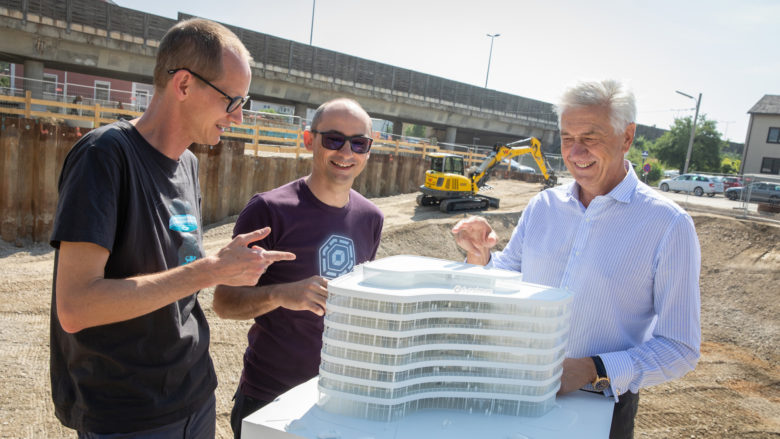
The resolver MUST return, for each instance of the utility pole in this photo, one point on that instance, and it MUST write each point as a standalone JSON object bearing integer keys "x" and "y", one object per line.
{"x": 693, "y": 129}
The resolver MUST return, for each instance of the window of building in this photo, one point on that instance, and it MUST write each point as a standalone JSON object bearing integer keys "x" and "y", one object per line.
{"x": 770, "y": 165}
{"x": 102, "y": 92}
{"x": 141, "y": 100}
{"x": 774, "y": 135}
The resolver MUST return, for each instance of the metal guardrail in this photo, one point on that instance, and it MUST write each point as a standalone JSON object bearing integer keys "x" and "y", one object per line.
{"x": 260, "y": 135}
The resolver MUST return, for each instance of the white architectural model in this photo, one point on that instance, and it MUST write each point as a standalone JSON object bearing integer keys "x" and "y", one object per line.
{"x": 406, "y": 333}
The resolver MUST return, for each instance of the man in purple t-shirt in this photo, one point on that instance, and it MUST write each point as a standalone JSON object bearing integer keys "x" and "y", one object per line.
{"x": 330, "y": 228}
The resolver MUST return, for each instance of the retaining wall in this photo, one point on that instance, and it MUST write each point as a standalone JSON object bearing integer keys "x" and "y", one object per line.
{"x": 32, "y": 153}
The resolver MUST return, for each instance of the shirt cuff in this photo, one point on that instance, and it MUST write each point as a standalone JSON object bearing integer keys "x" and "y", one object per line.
{"x": 620, "y": 370}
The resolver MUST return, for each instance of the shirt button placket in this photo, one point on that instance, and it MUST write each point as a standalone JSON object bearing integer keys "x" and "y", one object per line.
{"x": 575, "y": 253}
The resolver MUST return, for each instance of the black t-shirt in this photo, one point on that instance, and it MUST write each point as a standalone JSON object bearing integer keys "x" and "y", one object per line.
{"x": 119, "y": 192}
{"x": 284, "y": 345}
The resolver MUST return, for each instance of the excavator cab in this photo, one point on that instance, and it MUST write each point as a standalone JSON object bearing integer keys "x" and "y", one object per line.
{"x": 447, "y": 163}
{"x": 444, "y": 179}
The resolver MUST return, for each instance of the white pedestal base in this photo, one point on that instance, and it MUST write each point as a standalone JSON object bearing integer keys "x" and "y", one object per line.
{"x": 296, "y": 415}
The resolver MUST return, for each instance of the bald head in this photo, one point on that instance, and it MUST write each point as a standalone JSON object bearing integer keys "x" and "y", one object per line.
{"x": 343, "y": 107}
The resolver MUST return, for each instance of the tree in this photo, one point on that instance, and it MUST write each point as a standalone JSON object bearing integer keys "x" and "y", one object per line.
{"x": 641, "y": 143}
{"x": 634, "y": 154}
{"x": 415, "y": 130}
{"x": 672, "y": 147}
{"x": 730, "y": 165}
{"x": 656, "y": 171}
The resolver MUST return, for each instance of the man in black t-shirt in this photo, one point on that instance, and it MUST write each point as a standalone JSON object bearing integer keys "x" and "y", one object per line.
{"x": 129, "y": 340}
{"x": 330, "y": 228}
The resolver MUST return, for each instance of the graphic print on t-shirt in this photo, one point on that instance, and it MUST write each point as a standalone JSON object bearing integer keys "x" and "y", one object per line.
{"x": 337, "y": 257}
{"x": 184, "y": 222}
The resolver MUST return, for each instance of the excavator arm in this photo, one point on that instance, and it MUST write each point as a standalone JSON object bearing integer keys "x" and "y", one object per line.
{"x": 480, "y": 176}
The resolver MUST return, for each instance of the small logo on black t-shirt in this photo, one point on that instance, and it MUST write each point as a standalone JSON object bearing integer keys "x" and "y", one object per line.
{"x": 184, "y": 222}
{"x": 337, "y": 257}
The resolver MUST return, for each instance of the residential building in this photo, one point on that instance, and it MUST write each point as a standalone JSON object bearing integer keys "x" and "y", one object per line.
{"x": 67, "y": 86}
{"x": 762, "y": 145}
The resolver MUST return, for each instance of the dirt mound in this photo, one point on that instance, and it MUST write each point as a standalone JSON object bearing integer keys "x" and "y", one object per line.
{"x": 434, "y": 239}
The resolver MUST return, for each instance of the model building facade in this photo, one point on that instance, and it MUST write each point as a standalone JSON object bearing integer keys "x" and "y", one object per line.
{"x": 407, "y": 333}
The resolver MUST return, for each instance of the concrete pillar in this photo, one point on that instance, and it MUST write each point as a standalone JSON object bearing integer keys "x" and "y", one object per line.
{"x": 300, "y": 111}
{"x": 452, "y": 133}
{"x": 33, "y": 70}
{"x": 398, "y": 127}
{"x": 548, "y": 137}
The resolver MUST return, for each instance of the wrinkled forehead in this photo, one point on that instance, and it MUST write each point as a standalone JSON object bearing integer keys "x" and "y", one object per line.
{"x": 585, "y": 120}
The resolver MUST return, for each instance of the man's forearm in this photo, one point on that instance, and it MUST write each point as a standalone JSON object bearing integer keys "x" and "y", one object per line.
{"x": 243, "y": 303}
{"x": 83, "y": 304}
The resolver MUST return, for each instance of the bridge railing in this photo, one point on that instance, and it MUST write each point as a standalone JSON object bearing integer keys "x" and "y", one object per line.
{"x": 274, "y": 55}
{"x": 261, "y": 132}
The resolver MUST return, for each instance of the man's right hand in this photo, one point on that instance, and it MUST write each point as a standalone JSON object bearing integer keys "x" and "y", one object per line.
{"x": 242, "y": 303}
{"x": 241, "y": 265}
{"x": 308, "y": 294}
{"x": 475, "y": 235}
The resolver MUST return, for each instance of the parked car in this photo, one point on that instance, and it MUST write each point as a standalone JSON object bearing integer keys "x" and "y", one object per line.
{"x": 730, "y": 182}
{"x": 669, "y": 173}
{"x": 758, "y": 193}
{"x": 517, "y": 167}
{"x": 696, "y": 183}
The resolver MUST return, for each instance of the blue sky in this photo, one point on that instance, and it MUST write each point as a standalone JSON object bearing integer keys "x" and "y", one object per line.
{"x": 726, "y": 50}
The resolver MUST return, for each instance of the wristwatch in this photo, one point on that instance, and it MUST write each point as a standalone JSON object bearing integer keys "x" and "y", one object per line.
{"x": 601, "y": 383}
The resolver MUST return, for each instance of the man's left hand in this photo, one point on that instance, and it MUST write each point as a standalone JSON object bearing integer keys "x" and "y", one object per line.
{"x": 577, "y": 372}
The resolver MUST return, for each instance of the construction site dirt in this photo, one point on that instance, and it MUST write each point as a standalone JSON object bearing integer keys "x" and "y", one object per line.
{"x": 734, "y": 392}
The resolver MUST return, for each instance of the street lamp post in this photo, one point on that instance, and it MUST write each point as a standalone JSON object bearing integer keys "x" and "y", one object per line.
{"x": 492, "y": 37}
{"x": 311, "y": 32}
{"x": 693, "y": 129}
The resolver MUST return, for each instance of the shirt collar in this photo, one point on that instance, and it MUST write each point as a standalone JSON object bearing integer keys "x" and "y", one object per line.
{"x": 622, "y": 192}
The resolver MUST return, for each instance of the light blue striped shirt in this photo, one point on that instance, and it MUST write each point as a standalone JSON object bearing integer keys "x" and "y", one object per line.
{"x": 631, "y": 261}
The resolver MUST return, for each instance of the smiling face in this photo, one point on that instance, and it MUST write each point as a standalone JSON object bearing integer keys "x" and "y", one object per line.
{"x": 207, "y": 115}
{"x": 592, "y": 151}
{"x": 333, "y": 172}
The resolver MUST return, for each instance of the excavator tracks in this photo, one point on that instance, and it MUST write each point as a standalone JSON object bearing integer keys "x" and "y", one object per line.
{"x": 467, "y": 204}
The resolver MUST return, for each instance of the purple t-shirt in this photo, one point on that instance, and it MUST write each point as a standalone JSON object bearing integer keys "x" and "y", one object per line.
{"x": 284, "y": 345}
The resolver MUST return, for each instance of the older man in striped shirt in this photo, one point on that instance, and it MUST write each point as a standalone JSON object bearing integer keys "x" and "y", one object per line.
{"x": 629, "y": 257}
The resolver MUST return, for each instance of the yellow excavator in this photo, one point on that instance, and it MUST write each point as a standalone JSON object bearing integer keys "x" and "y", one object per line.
{"x": 447, "y": 185}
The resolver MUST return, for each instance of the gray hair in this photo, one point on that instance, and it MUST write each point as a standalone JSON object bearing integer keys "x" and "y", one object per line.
{"x": 608, "y": 93}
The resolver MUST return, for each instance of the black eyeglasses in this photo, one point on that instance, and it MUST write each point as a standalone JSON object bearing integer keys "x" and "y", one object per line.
{"x": 334, "y": 140}
{"x": 235, "y": 102}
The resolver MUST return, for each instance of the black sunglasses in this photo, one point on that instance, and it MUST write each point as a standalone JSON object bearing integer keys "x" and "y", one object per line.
{"x": 334, "y": 140}
{"x": 235, "y": 102}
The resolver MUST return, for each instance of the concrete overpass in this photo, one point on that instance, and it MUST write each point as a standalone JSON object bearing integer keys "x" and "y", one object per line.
{"x": 94, "y": 37}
